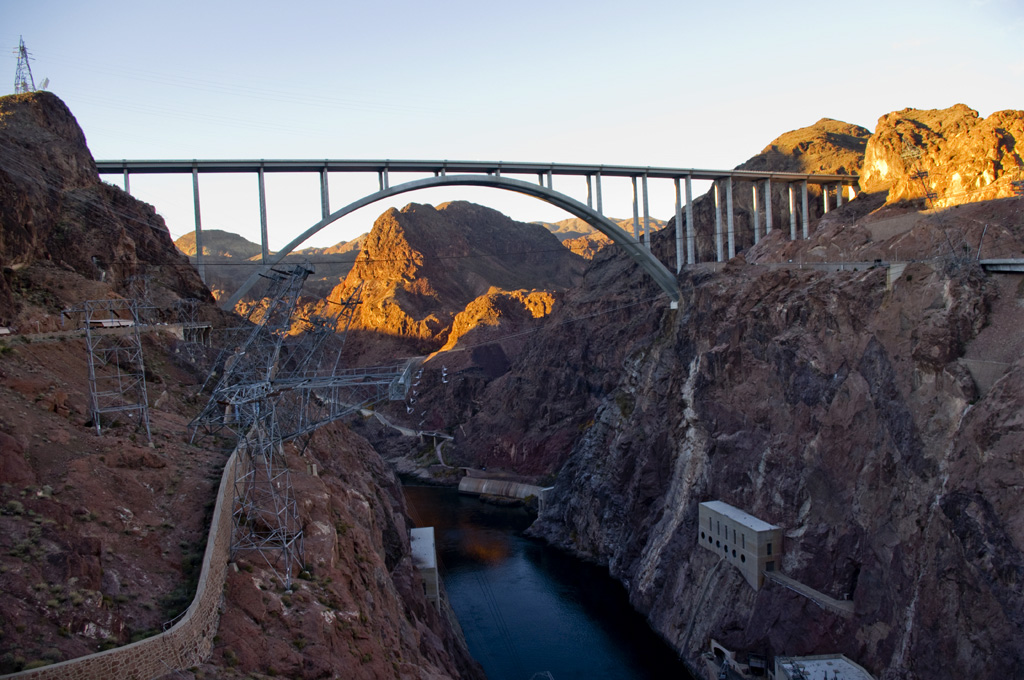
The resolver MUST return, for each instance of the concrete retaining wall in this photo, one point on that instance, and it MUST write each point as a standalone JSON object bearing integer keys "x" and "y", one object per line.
{"x": 190, "y": 640}
{"x": 499, "y": 487}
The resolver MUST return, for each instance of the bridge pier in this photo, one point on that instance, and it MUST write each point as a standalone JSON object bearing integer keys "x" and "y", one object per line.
{"x": 691, "y": 242}
{"x": 590, "y": 193}
{"x": 768, "y": 206}
{"x": 757, "y": 215}
{"x": 636, "y": 212}
{"x": 264, "y": 251}
{"x": 600, "y": 204}
{"x": 719, "y": 246}
{"x": 679, "y": 226}
{"x": 792, "y": 212}
{"x": 806, "y": 217}
{"x": 839, "y": 195}
{"x": 325, "y": 199}
{"x": 200, "y": 264}
{"x": 647, "y": 216}
{"x": 824, "y": 198}
{"x": 729, "y": 218}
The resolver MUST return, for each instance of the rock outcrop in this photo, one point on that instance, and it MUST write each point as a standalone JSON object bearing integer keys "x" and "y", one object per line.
{"x": 219, "y": 243}
{"x": 53, "y": 207}
{"x": 422, "y": 266}
{"x": 945, "y": 157}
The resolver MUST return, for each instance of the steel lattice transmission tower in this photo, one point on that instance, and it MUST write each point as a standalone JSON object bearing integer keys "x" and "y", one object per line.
{"x": 23, "y": 81}
{"x": 275, "y": 387}
{"x": 117, "y": 374}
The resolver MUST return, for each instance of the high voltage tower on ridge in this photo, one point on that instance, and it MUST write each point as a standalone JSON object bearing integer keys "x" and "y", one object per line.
{"x": 23, "y": 81}
{"x": 276, "y": 387}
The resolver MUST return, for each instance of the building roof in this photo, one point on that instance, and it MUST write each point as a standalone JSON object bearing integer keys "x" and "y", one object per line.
{"x": 738, "y": 515}
{"x": 424, "y": 556}
{"x": 823, "y": 667}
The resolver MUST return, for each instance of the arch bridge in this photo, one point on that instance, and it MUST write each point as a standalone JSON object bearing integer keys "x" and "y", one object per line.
{"x": 497, "y": 175}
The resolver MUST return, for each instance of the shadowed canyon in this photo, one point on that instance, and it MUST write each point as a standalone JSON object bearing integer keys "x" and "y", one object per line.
{"x": 862, "y": 389}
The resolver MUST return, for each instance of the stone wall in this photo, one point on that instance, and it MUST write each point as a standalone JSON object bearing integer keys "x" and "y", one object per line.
{"x": 190, "y": 640}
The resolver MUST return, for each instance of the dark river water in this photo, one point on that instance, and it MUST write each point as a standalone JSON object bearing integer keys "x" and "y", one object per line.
{"x": 529, "y": 610}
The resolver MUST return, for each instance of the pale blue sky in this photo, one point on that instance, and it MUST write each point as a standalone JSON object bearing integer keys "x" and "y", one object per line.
{"x": 679, "y": 84}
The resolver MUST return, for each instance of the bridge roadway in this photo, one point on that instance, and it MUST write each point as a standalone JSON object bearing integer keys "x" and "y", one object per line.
{"x": 495, "y": 174}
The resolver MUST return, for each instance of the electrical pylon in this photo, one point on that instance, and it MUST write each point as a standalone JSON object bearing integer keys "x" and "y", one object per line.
{"x": 23, "y": 81}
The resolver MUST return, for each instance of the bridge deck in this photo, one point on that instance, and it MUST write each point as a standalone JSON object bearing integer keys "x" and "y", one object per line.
{"x": 442, "y": 167}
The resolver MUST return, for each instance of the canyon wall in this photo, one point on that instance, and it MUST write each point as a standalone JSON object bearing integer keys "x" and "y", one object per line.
{"x": 101, "y": 537}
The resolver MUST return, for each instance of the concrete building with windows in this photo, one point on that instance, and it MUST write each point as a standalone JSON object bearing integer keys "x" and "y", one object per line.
{"x": 751, "y": 545}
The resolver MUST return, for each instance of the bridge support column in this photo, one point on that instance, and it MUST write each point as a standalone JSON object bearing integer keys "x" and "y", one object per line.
{"x": 729, "y": 221}
{"x": 200, "y": 265}
{"x": 757, "y": 215}
{"x": 679, "y": 226}
{"x": 325, "y": 199}
{"x": 590, "y": 193}
{"x": 719, "y": 246}
{"x": 264, "y": 251}
{"x": 383, "y": 180}
{"x": 691, "y": 241}
{"x": 839, "y": 195}
{"x": 127, "y": 190}
{"x": 768, "y": 206}
{"x": 824, "y": 197}
{"x": 792, "y": 213}
{"x": 647, "y": 215}
{"x": 636, "y": 213}
{"x": 600, "y": 203}
{"x": 806, "y": 216}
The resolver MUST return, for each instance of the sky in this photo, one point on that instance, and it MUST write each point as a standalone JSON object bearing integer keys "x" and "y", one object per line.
{"x": 671, "y": 84}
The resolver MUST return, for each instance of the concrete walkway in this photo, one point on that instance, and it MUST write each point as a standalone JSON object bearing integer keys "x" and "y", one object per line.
{"x": 439, "y": 437}
{"x": 841, "y": 607}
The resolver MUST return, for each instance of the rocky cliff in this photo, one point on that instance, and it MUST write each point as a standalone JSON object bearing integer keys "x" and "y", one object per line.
{"x": 844, "y": 404}
{"x": 101, "y": 536}
{"x": 55, "y": 209}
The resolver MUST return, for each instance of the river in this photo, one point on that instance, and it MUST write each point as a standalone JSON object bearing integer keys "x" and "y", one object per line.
{"x": 529, "y": 610}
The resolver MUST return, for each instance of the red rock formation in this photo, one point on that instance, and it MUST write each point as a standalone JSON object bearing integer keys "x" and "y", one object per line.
{"x": 54, "y": 207}
{"x": 422, "y": 266}
{"x": 952, "y": 154}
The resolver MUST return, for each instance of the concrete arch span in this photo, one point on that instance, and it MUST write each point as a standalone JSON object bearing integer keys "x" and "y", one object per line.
{"x": 650, "y": 264}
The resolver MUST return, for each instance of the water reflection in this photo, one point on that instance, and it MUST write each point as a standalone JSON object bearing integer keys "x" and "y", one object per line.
{"x": 527, "y": 608}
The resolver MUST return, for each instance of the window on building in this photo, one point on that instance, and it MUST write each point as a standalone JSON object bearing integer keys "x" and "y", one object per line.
{"x": 769, "y": 548}
{"x": 743, "y": 542}
{"x": 743, "y": 558}
{"x": 769, "y": 565}
{"x": 733, "y": 535}
{"x": 702, "y": 535}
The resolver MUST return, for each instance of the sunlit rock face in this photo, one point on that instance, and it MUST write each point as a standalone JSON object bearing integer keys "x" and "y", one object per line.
{"x": 944, "y": 157}
{"x": 421, "y": 267}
